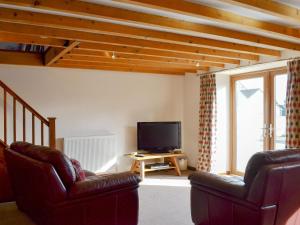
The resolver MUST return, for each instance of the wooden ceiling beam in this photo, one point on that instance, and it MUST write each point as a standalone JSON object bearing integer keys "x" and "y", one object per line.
{"x": 29, "y": 39}
{"x": 217, "y": 15}
{"x": 274, "y": 8}
{"x": 104, "y": 38}
{"x": 34, "y": 59}
{"x": 20, "y": 58}
{"x": 187, "y": 70}
{"x": 102, "y": 11}
{"x": 125, "y": 31}
{"x": 53, "y": 54}
{"x": 106, "y": 55}
{"x": 115, "y": 40}
{"x": 131, "y": 62}
{"x": 43, "y": 33}
{"x": 41, "y": 39}
{"x": 128, "y": 68}
{"x": 152, "y": 52}
{"x": 121, "y": 69}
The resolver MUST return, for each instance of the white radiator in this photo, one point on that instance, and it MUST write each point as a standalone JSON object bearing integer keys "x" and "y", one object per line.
{"x": 95, "y": 153}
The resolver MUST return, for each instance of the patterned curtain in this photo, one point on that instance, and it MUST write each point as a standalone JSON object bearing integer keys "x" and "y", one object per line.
{"x": 293, "y": 105}
{"x": 207, "y": 122}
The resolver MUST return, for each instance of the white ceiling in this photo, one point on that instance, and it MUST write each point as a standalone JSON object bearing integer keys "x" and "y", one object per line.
{"x": 293, "y": 3}
{"x": 249, "y": 12}
{"x": 214, "y": 3}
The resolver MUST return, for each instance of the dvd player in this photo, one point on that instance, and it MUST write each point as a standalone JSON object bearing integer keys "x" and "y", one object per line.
{"x": 158, "y": 166}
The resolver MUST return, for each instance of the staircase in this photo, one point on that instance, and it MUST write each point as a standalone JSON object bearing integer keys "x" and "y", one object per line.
{"x": 16, "y": 112}
{"x": 26, "y": 109}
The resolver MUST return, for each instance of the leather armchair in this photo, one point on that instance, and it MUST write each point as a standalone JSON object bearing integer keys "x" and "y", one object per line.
{"x": 45, "y": 188}
{"x": 269, "y": 193}
{"x": 6, "y": 194}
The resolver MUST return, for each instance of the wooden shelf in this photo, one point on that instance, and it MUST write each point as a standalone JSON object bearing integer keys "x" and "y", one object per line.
{"x": 156, "y": 156}
{"x": 138, "y": 164}
{"x": 169, "y": 168}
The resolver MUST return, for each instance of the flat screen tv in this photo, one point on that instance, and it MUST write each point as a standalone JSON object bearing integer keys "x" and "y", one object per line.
{"x": 158, "y": 137}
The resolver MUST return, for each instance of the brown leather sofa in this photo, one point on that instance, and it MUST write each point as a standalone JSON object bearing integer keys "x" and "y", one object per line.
{"x": 6, "y": 194}
{"x": 269, "y": 193}
{"x": 45, "y": 188}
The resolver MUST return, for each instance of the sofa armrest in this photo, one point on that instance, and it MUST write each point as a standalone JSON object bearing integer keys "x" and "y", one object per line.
{"x": 103, "y": 183}
{"x": 233, "y": 186}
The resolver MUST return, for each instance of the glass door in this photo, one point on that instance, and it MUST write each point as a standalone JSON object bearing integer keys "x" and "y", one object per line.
{"x": 258, "y": 115}
{"x": 249, "y": 119}
{"x": 278, "y": 114}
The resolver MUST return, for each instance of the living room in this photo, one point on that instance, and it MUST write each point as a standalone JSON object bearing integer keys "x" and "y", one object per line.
{"x": 225, "y": 72}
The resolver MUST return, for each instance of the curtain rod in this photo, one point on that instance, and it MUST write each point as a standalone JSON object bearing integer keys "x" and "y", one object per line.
{"x": 240, "y": 67}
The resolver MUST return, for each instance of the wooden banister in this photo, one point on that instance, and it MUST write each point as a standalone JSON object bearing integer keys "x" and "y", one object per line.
{"x": 52, "y": 135}
{"x": 22, "y": 102}
{"x": 42, "y": 133}
{"x": 50, "y": 122}
{"x": 5, "y": 115}
{"x": 24, "y": 123}
{"x": 15, "y": 119}
{"x": 33, "y": 129}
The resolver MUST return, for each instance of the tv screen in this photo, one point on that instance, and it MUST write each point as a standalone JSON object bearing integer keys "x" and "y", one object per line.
{"x": 159, "y": 136}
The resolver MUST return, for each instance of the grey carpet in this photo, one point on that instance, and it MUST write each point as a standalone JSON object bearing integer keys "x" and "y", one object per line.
{"x": 10, "y": 215}
{"x": 164, "y": 205}
{"x": 163, "y": 201}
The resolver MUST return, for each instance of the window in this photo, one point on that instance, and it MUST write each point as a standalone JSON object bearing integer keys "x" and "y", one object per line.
{"x": 258, "y": 115}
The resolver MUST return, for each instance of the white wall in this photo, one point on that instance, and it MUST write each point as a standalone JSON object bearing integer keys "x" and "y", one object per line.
{"x": 191, "y": 120}
{"x": 90, "y": 102}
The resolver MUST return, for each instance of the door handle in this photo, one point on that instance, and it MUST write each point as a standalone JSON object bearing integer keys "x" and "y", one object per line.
{"x": 268, "y": 130}
{"x": 271, "y": 129}
{"x": 265, "y": 130}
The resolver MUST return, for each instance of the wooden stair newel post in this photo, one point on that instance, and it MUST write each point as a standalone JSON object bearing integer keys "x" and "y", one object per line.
{"x": 52, "y": 136}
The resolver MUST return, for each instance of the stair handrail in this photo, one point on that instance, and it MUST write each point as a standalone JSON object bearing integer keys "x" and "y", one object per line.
{"x": 50, "y": 122}
{"x": 24, "y": 103}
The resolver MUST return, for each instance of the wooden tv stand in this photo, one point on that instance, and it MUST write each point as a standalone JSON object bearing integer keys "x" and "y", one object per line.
{"x": 138, "y": 164}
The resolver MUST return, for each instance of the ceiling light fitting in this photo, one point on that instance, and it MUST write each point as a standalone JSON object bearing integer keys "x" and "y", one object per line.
{"x": 113, "y": 55}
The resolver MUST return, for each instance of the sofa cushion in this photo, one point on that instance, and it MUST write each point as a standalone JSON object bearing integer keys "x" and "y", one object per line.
{"x": 229, "y": 185}
{"x": 261, "y": 159}
{"x": 60, "y": 162}
{"x": 80, "y": 174}
{"x": 100, "y": 184}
